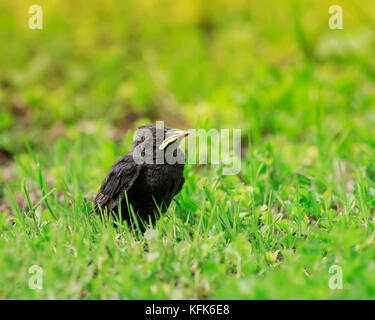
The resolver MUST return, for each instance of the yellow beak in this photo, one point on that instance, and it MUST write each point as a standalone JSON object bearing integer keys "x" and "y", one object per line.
{"x": 178, "y": 136}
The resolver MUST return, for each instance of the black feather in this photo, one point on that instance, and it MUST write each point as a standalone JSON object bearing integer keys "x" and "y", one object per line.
{"x": 147, "y": 186}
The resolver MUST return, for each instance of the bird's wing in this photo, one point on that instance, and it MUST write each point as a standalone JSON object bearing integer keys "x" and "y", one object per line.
{"x": 119, "y": 180}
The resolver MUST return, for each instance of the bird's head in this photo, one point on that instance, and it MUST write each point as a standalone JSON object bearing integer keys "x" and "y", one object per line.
{"x": 157, "y": 139}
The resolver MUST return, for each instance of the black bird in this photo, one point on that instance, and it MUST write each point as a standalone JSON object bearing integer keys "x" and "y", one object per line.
{"x": 150, "y": 175}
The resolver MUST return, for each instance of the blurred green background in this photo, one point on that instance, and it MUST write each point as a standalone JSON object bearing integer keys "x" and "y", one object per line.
{"x": 269, "y": 68}
{"x": 302, "y": 94}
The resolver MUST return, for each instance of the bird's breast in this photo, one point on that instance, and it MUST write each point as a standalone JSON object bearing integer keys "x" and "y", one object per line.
{"x": 163, "y": 179}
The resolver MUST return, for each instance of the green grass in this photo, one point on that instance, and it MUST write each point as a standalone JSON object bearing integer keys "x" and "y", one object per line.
{"x": 274, "y": 238}
{"x": 303, "y": 96}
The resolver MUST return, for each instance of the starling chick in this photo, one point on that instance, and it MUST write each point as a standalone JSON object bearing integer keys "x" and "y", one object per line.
{"x": 150, "y": 175}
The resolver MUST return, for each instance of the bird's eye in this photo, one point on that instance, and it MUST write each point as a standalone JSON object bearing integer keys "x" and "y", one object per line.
{"x": 143, "y": 139}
